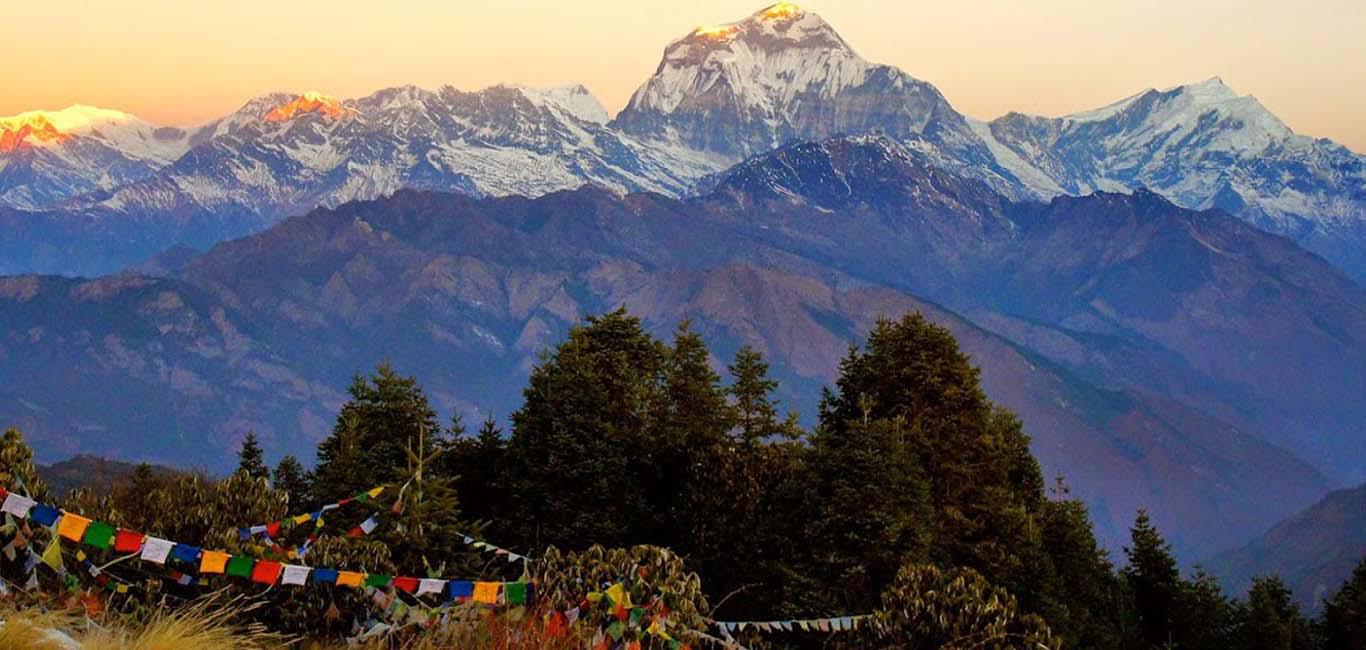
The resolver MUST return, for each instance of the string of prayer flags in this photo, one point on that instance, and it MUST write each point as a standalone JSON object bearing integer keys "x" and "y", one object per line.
{"x": 831, "y": 624}
{"x": 273, "y": 529}
{"x": 490, "y": 548}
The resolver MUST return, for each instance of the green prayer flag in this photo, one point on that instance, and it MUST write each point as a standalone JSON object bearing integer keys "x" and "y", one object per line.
{"x": 99, "y": 534}
{"x": 615, "y": 630}
{"x": 372, "y": 580}
{"x": 637, "y": 615}
{"x": 515, "y": 592}
{"x": 240, "y": 566}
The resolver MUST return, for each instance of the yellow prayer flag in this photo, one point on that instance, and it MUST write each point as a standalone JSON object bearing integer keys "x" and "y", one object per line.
{"x": 375, "y": 492}
{"x": 72, "y": 526}
{"x": 213, "y": 562}
{"x": 350, "y": 579}
{"x": 486, "y": 592}
{"x": 53, "y": 555}
{"x": 302, "y": 519}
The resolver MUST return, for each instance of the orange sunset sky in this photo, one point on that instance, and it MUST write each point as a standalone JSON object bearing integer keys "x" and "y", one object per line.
{"x": 185, "y": 62}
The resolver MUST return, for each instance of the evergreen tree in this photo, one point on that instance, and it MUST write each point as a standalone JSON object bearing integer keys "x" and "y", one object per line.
{"x": 756, "y": 411}
{"x": 292, "y": 479}
{"x": 583, "y": 443}
{"x": 985, "y": 487}
{"x": 1204, "y": 618}
{"x": 477, "y": 466}
{"x": 251, "y": 459}
{"x": 1343, "y": 623}
{"x": 1154, "y": 584}
{"x": 870, "y": 511}
{"x": 1083, "y": 603}
{"x": 1270, "y": 619}
{"x": 386, "y": 417}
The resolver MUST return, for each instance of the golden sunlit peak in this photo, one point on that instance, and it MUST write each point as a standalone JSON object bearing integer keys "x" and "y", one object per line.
{"x": 781, "y": 11}
{"x": 309, "y": 102}
{"x": 716, "y": 31}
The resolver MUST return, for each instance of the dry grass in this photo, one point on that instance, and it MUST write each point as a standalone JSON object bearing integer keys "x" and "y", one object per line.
{"x": 207, "y": 625}
{"x": 33, "y": 630}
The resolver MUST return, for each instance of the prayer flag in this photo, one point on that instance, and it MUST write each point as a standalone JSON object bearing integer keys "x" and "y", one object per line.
{"x": 303, "y": 519}
{"x": 100, "y": 535}
{"x": 461, "y": 589}
{"x": 374, "y": 492}
{"x": 186, "y": 553}
{"x": 295, "y": 575}
{"x": 17, "y": 505}
{"x": 428, "y": 586}
{"x": 53, "y": 555}
{"x": 619, "y": 595}
{"x": 273, "y": 529}
{"x": 127, "y": 541}
{"x": 213, "y": 562}
{"x": 406, "y": 584}
{"x": 156, "y": 550}
{"x": 239, "y": 566}
{"x": 516, "y": 592}
{"x": 44, "y": 515}
{"x": 375, "y": 580}
{"x": 72, "y": 526}
{"x": 324, "y": 575}
{"x": 486, "y": 592}
{"x": 266, "y": 573}
{"x": 350, "y": 579}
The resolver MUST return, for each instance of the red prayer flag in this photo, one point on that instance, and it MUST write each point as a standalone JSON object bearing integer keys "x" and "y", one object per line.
{"x": 3, "y": 493}
{"x": 266, "y": 573}
{"x": 273, "y": 529}
{"x": 128, "y": 541}
{"x": 558, "y": 626}
{"x": 407, "y": 584}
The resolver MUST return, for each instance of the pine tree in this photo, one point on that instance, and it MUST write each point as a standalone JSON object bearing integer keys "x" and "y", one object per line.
{"x": 386, "y": 416}
{"x": 1270, "y": 619}
{"x": 1204, "y": 618}
{"x": 871, "y": 508}
{"x": 292, "y": 479}
{"x": 1082, "y": 602}
{"x": 1343, "y": 623}
{"x": 477, "y": 465}
{"x": 756, "y": 412}
{"x": 1153, "y": 582}
{"x": 583, "y": 443}
{"x": 250, "y": 458}
{"x": 985, "y": 487}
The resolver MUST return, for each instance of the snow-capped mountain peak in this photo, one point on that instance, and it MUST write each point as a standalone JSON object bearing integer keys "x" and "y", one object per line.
{"x": 574, "y": 100}
{"x": 309, "y": 102}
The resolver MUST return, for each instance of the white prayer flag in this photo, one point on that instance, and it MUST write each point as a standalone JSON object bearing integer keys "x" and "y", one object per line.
{"x": 156, "y": 550}
{"x": 368, "y": 526}
{"x": 17, "y": 505}
{"x": 295, "y": 575}
{"x": 427, "y": 586}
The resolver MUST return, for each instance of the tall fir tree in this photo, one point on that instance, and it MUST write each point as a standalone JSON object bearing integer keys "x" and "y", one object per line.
{"x": 1154, "y": 584}
{"x": 251, "y": 459}
{"x": 985, "y": 487}
{"x": 1342, "y": 625}
{"x": 376, "y": 430}
{"x": 1270, "y": 620}
{"x": 291, "y": 478}
{"x": 756, "y": 410}
{"x": 583, "y": 443}
{"x": 1082, "y": 602}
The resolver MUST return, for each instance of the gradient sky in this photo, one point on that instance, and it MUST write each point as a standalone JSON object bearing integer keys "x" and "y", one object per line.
{"x": 187, "y": 61}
